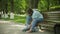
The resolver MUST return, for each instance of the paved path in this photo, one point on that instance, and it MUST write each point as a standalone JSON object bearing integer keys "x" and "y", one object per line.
{"x": 7, "y": 27}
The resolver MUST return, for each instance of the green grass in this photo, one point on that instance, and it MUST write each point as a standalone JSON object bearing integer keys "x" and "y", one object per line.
{"x": 17, "y": 19}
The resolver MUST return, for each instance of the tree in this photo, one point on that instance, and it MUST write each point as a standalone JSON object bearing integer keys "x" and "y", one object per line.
{"x": 12, "y": 5}
{"x": 46, "y": 5}
{"x": 42, "y": 5}
{"x": 35, "y": 3}
{"x": 6, "y": 7}
{"x": 19, "y": 5}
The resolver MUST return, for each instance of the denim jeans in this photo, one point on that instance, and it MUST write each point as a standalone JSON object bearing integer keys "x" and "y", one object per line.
{"x": 33, "y": 23}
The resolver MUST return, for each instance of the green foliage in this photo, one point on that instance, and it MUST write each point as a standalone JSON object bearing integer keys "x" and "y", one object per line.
{"x": 43, "y": 5}
{"x": 55, "y": 8}
{"x": 19, "y": 5}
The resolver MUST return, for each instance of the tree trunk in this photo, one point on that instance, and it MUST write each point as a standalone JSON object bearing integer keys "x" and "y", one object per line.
{"x": 48, "y": 5}
{"x": 6, "y": 10}
{"x": 34, "y": 3}
{"x": 6, "y": 6}
{"x": 12, "y": 10}
{"x": 2, "y": 8}
{"x": 12, "y": 5}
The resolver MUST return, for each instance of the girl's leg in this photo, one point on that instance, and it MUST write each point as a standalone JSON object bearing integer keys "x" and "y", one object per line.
{"x": 33, "y": 24}
{"x": 28, "y": 22}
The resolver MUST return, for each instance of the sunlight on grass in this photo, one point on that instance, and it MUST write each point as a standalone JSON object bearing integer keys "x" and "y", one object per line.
{"x": 17, "y": 19}
{"x": 20, "y": 20}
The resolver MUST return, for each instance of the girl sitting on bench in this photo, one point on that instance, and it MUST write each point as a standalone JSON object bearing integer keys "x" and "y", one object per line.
{"x": 33, "y": 18}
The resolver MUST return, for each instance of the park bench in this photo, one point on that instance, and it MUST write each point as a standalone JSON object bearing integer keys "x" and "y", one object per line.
{"x": 50, "y": 19}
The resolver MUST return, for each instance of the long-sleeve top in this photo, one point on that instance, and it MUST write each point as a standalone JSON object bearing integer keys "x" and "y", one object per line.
{"x": 36, "y": 14}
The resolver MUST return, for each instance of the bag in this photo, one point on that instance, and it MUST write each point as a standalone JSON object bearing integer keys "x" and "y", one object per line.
{"x": 57, "y": 29}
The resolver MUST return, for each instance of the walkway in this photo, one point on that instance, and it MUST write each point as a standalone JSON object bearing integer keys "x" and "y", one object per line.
{"x": 7, "y": 27}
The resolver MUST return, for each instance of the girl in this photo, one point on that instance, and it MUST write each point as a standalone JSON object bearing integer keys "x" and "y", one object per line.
{"x": 33, "y": 18}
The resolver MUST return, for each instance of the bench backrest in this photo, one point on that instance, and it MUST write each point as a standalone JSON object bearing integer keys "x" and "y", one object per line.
{"x": 52, "y": 17}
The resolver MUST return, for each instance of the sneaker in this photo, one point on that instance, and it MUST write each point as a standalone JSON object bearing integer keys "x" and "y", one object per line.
{"x": 41, "y": 30}
{"x": 30, "y": 31}
{"x": 24, "y": 30}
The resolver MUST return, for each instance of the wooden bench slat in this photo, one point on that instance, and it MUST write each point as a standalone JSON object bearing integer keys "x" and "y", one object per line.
{"x": 53, "y": 12}
{"x": 51, "y": 18}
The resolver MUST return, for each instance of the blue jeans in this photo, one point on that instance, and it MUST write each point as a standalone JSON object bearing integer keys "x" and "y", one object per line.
{"x": 33, "y": 23}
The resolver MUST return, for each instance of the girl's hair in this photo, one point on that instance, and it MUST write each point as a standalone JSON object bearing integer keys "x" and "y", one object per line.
{"x": 29, "y": 11}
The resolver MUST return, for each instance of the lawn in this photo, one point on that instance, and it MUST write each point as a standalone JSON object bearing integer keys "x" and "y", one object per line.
{"x": 17, "y": 19}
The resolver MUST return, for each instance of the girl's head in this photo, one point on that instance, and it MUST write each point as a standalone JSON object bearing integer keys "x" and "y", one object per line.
{"x": 29, "y": 11}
